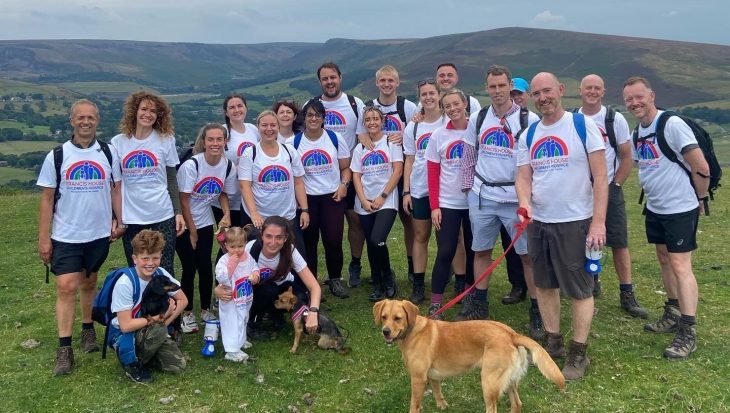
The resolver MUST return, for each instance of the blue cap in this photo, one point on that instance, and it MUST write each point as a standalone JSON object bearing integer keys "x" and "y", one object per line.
{"x": 520, "y": 84}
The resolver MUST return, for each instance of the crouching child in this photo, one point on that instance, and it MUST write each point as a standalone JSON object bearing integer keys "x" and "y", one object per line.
{"x": 141, "y": 340}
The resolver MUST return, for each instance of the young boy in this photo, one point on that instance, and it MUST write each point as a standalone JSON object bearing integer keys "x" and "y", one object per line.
{"x": 140, "y": 342}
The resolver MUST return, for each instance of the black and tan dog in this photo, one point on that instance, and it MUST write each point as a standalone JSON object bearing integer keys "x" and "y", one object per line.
{"x": 155, "y": 299}
{"x": 435, "y": 350}
{"x": 330, "y": 336}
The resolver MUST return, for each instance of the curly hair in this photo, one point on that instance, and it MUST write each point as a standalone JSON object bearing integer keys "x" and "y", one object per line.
{"x": 163, "y": 125}
{"x": 148, "y": 241}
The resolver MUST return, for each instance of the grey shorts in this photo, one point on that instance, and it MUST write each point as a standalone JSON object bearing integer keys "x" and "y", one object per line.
{"x": 617, "y": 234}
{"x": 488, "y": 219}
{"x": 557, "y": 252}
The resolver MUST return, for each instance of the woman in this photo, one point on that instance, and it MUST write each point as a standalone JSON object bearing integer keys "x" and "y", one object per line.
{"x": 276, "y": 257}
{"x": 326, "y": 160}
{"x": 270, "y": 179}
{"x": 289, "y": 122}
{"x": 415, "y": 183}
{"x": 449, "y": 206}
{"x": 375, "y": 174}
{"x": 206, "y": 176}
{"x": 146, "y": 149}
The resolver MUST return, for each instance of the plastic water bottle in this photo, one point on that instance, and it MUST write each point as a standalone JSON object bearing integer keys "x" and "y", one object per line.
{"x": 210, "y": 336}
{"x": 593, "y": 260}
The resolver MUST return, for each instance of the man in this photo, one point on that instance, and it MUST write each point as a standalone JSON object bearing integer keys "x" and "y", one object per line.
{"x": 557, "y": 159}
{"x": 490, "y": 166}
{"x": 520, "y": 92}
{"x": 618, "y": 164}
{"x": 78, "y": 197}
{"x": 447, "y": 78}
{"x": 343, "y": 113}
{"x": 672, "y": 210}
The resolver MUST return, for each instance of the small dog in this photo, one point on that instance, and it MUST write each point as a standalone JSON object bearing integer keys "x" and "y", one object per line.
{"x": 434, "y": 350}
{"x": 330, "y": 336}
{"x": 155, "y": 300}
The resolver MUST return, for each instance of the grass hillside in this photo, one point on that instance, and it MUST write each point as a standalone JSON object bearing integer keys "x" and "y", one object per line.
{"x": 627, "y": 374}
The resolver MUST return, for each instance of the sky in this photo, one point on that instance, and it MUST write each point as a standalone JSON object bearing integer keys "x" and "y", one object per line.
{"x": 262, "y": 21}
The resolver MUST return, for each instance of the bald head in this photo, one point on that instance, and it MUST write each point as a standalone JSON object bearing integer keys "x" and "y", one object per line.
{"x": 543, "y": 78}
{"x": 591, "y": 93}
{"x": 592, "y": 79}
{"x": 547, "y": 93}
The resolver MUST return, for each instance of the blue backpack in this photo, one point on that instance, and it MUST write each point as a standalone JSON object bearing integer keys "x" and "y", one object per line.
{"x": 579, "y": 122}
{"x": 298, "y": 139}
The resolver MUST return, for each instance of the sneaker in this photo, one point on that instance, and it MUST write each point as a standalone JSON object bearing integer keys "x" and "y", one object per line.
{"x": 684, "y": 343}
{"x": 247, "y": 345}
{"x": 629, "y": 304}
{"x": 137, "y": 373}
{"x": 537, "y": 329}
{"x": 515, "y": 295}
{"x": 432, "y": 309}
{"x": 236, "y": 357}
{"x": 189, "y": 325}
{"x": 417, "y": 294}
{"x": 597, "y": 288}
{"x": 474, "y": 310}
{"x": 64, "y": 360}
{"x": 206, "y": 315}
{"x": 667, "y": 323}
{"x": 554, "y": 345}
{"x": 354, "y": 270}
{"x": 88, "y": 341}
{"x": 577, "y": 361}
{"x": 337, "y": 288}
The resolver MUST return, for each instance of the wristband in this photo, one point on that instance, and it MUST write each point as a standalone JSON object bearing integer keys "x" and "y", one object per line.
{"x": 304, "y": 210}
{"x": 313, "y": 309}
{"x": 406, "y": 193}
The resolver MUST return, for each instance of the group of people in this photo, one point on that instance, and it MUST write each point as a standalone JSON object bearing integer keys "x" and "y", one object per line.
{"x": 298, "y": 173}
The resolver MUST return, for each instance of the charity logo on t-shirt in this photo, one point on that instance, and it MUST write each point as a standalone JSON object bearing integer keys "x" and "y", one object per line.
{"x": 139, "y": 164}
{"x": 648, "y": 155}
{"x": 549, "y": 153}
{"x": 85, "y": 176}
{"x": 422, "y": 143}
{"x": 392, "y": 124}
{"x": 210, "y": 185}
{"x": 266, "y": 273}
{"x": 335, "y": 121}
{"x": 242, "y": 288}
{"x": 496, "y": 143}
{"x": 453, "y": 154}
{"x": 242, "y": 147}
{"x": 316, "y": 162}
{"x": 375, "y": 162}
{"x": 274, "y": 178}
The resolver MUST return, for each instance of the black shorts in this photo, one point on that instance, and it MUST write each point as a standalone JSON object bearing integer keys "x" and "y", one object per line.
{"x": 421, "y": 208}
{"x": 677, "y": 231}
{"x": 68, "y": 258}
{"x": 617, "y": 235}
{"x": 400, "y": 196}
{"x": 350, "y": 197}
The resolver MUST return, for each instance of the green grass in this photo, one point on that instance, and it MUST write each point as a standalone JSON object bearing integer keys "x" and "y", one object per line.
{"x": 20, "y": 147}
{"x": 103, "y": 87}
{"x": 37, "y": 129}
{"x": 627, "y": 374}
{"x": 9, "y": 174}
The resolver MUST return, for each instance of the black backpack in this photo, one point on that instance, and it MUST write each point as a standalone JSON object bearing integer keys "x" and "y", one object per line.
{"x": 608, "y": 121}
{"x": 229, "y": 166}
{"x": 58, "y": 162}
{"x": 704, "y": 140}
{"x": 400, "y": 108}
{"x": 185, "y": 156}
{"x": 253, "y": 152}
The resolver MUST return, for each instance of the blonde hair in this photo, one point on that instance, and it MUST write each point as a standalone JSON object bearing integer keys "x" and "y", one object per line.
{"x": 163, "y": 123}
{"x": 461, "y": 94}
{"x": 266, "y": 113}
{"x": 389, "y": 70}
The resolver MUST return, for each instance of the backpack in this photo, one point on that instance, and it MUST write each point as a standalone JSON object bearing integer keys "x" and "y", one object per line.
{"x": 608, "y": 121}
{"x": 101, "y": 307}
{"x": 298, "y": 139}
{"x": 351, "y": 99}
{"x": 185, "y": 156}
{"x": 704, "y": 140}
{"x": 58, "y": 162}
{"x": 579, "y": 122}
{"x": 253, "y": 152}
{"x": 229, "y": 166}
{"x": 400, "y": 108}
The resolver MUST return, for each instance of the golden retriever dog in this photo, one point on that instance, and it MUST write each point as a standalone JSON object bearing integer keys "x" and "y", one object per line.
{"x": 434, "y": 350}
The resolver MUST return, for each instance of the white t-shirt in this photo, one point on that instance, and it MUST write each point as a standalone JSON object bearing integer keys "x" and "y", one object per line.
{"x": 283, "y": 139}
{"x": 267, "y": 266}
{"x": 237, "y": 143}
{"x": 204, "y": 185}
{"x": 321, "y": 164}
{"x": 446, "y": 148}
{"x": 416, "y": 146}
{"x": 123, "y": 294}
{"x": 561, "y": 175}
{"x": 474, "y": 105}
{"x": 497, "y": 153}
{"x": 667, "y": 186}
{"x": 393, "y": 123}
{"x": 339, "y": 117}
{"x": 238, "y": 282}
{"x": 272, "y": 180}
{"x": 376, "y": 167}
{"x": 623, "y": 135}
{"x": 145, "y": 199}
{"x": 84, "y": 210}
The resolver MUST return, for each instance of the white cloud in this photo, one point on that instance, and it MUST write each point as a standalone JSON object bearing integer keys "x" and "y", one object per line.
{"x": 672, "y": 13}
{"x": 548, "y": 17}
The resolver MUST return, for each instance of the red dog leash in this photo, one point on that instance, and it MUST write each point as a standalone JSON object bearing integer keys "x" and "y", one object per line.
{"x": 521, "y": 226}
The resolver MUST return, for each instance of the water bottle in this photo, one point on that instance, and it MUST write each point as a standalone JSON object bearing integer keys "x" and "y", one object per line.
{"x": 593, "y": 259}
{"x": 210, "y": 336}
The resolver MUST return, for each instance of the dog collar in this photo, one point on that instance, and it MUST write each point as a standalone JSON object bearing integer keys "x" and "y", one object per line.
{"x": 302, "y": 311}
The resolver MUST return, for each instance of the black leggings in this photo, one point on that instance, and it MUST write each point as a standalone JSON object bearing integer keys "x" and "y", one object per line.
{"x": 515, "y": 272}
{"x": 328, "y": 217}
{"x": 376, "y": 227}
{"x": 447, "y": 239}
{"x": 167, "y": 228}
{"x": 196, "y": 259}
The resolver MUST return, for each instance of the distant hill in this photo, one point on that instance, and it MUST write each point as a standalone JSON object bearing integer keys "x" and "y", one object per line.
{"x": 682, "y": 73}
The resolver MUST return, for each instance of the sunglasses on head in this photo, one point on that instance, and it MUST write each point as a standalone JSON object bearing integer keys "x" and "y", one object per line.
{"x": 423, "y": 82}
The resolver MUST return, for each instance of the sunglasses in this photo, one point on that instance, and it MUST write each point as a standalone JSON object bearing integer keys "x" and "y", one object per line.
{"x": 505, "y": 125}
{"x": 423, "y": 82}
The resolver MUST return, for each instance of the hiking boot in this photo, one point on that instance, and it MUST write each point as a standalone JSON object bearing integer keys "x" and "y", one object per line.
{"x": 189, "y": 325}
{"x": 432, "y": 309}
{"x": 515, "y": 295}
{"x": 537, "y": 330}
{"x": 64, "y": 360}
{"x": 459, "y": 285}
{"x": 88, "y": 341}
{"x": 684, "y": 343}
{"x": 137, "y": 373}
{"x": 667, "y": 323}
{"x": 597, "y": 288}
{"x": 354, "y": 271}
{"x": 377, "y": 294}
{"x": 465, "y": 302}
{"x": 337, "y": 288}
{"x": 391, "y": 288}
{"x": 410, "y": 276}
{"x": 576, "y": 362}
{"x": 629, "y": 304}
{"x": 417, "y": 294}
{"x": 554, "y": 345}
{"x": 474, "y": 310}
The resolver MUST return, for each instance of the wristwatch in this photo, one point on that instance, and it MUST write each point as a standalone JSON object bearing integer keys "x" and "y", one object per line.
{"x": 384, "y": 195}
{"x": 345, "y": 183}
{"x": 313, "y": 309}
{"x": 304, "y": 210}
{"x": 122, "y": 226}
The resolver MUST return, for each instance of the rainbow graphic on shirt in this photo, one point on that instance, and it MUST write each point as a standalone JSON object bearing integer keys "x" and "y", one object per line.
{"x": 648, "y": 155}
{"x": 549, "y": 153}
{"x": 139, "y": 164}
{"x": 242, "y": 147}
{"x": 266, "y": 273}
{"x": 422, "y": 142}
{"x": 274, "y": 178}
{"x": 497, "y": 144}
{"x": 242, "y": 289}
{"x": 334, "y": 118}
{"x": 316, "y": 157}
{"x": 210, "y": 185}
{"x": 85, "y": 176}
{"x": 374, "y": 158}
{"x": 455, "y": 150}
{"x": 392, "y": 124}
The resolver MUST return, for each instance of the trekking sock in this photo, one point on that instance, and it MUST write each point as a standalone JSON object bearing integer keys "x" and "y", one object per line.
{"x": 419, "y": 278}
{"x": 461, "y": 277}
{"x": 627, "y": 288}
{"x": 688, "y": 320}
{"x": 480, "y": 295}
{"x": 410, "y": 264}
{"x": 87, "y": 326}
{"x": 436, "y": 298}
{"x": 64, "y": 341}
{"x": 355, "y": 260}
{"x": 674, "y": 302}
